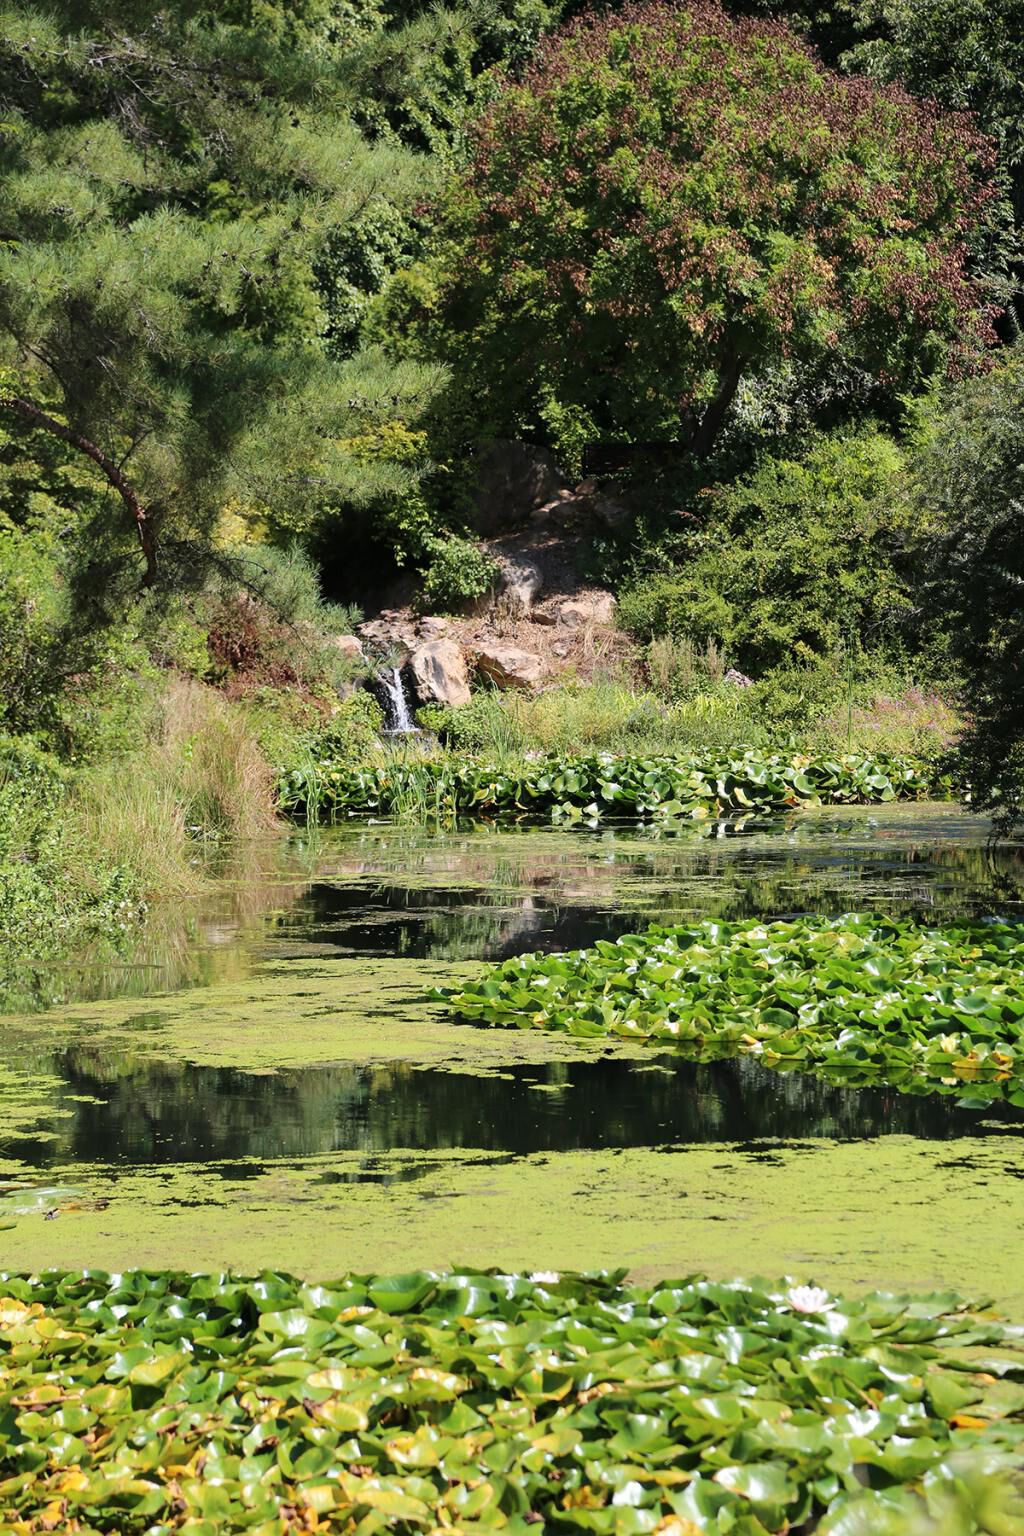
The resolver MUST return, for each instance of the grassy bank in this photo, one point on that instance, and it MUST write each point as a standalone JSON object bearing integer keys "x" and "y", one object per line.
{"x": 479, "y": 1401}
{"x": 85, "y": 851}
{"x": 166, "y": 775}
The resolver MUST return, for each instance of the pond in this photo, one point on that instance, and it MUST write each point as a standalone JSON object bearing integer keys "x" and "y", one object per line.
{"x": 265, "y": 1081}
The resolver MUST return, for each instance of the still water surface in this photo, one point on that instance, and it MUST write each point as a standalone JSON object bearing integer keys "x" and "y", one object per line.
{"x": 265, "y": 1082}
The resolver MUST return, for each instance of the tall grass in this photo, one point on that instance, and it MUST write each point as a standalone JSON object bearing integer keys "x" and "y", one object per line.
{"x": 198, "y": 784}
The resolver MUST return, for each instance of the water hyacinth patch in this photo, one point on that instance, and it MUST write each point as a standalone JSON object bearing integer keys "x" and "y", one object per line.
{"x": 473, "y": 1401}
{"x": 859, "y": 997}
{"x": 600, "y": 784}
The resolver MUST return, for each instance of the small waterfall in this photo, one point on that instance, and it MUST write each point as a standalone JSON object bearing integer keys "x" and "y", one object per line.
{"x": 397, "y": 719}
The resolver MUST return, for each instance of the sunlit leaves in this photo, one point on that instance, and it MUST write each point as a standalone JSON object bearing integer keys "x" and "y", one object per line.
{"x": 603, "y": 784}
{"x": 859, "y": 998}
{"x": 483, "y": 1401}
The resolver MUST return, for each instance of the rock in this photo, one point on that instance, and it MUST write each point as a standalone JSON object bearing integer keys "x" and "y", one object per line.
{"x": 349, "y": 645}
{"x": 540, "y": 616}
{"x": 433, "y": 628}
{"x": 595, "y": 608}
{"x": 738, "y": 679}
{"x": 439, "y": 673}
{"x": 609, "y": 511}
{"x": 389, "y": 635}
{"x": 521, "y": 580}
{"x": 565, "y": 510}
{"x": 512, "y": 479}
{"x": 508, "y": 667}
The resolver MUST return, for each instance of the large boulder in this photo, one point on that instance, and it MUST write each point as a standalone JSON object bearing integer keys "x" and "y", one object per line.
{"x": 593, "y": 608}
{"x": 508, "y": 667}
{"x": 350, "y": 646}
{"x": 521, "y": 581}
{"x": 439, "y": 673}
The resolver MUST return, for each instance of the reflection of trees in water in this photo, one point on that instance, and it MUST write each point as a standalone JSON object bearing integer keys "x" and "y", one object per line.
{"x": 565, "y": 891}
{"x": 163, "y": 1112}
{"x": 181, "y": 943}
{"x": 497, "y": 890}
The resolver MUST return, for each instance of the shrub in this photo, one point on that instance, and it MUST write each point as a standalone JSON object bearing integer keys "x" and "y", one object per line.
{"x": 801, "y": 559}
{"x": 457, "y": 572}
{"x": 269, "y": 624}
{"x": 969, "y": 477}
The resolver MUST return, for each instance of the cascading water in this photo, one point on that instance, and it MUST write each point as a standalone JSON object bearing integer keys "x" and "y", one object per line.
{"x": 397, "y": 719}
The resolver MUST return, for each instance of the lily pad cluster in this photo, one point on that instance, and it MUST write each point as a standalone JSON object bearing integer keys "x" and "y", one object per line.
{"x": 859, "y": 997}
{"x": 473, "y": 1401}
{"x": 604, "y": 784}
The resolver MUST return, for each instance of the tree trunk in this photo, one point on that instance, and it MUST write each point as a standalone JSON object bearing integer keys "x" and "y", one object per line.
{"x": 712, "y": 420}
{"x": 143, "y": 526}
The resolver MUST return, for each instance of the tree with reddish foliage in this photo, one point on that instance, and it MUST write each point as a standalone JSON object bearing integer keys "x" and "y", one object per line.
{"x": 670, "y": 201}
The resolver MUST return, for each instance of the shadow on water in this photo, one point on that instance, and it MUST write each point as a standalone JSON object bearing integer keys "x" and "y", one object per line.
{"x": 109, "y": 1107}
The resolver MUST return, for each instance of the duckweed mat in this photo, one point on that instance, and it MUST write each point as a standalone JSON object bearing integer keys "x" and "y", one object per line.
{"x": 478, "y": 1401}
{"x": 896, "y": 1212}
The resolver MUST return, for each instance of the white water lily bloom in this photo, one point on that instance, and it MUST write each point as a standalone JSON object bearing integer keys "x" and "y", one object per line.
{"x": 809, "y": 1298}
{"x": 543, "y": 1276}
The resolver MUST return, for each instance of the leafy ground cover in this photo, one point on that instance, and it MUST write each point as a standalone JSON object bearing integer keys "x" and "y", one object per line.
{"x": 862, "y": 997}
{"x": 160, "y": 1402}
{"x": 578, "y": 787}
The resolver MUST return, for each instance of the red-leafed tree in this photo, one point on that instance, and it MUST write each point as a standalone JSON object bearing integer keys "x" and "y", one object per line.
{"x": 670, "y": 200}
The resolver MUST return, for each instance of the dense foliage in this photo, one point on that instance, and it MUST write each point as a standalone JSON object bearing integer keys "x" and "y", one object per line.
{"x": 970, "y": 482}
{"x": 601, "y": 784}
{"x": 670, "y": 201}
{"x": 856, "y": 997}
{"x": 483, "y": 1401}
{"x": 802, "y": 558}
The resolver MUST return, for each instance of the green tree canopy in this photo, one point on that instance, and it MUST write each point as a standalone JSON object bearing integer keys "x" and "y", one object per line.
{"x": 670, "y": 201}
{"x": 168, "y": 182}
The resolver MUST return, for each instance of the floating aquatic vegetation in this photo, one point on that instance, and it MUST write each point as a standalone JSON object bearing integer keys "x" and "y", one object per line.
{"x": 163, "y": 1402}
{"x": 605, "y": 784}
{"x": 866, "y": 998}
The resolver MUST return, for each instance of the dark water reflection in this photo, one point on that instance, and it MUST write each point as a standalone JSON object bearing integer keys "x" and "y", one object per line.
{"x": 115, "y": 1109}
{"x": 492, "y": 893}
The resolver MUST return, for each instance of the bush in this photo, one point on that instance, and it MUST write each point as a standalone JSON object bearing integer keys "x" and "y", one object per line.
{"x": 799, "y": 560}
{"x": 457, "y": 572}
{"x": 269, "y": 625}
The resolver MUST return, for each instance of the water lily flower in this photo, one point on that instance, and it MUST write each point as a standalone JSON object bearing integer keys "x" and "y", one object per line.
{"x": 809, "y": 1298}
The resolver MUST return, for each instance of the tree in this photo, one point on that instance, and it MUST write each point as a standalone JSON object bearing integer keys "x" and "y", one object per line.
{"x": 671, "y": 201}
{"x": 969, "y": 477}
{"x": 167, "y": 183}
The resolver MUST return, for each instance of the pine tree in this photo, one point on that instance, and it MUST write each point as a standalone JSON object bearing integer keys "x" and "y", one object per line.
{"x": 168, "y": 182}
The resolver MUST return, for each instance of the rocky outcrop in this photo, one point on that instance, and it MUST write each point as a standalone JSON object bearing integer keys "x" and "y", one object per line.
{"x": 389, "y": 635}
{"x": 508, "y": 667}
{"x": 439, "y": 673}
{"x": 349, "y": 645}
